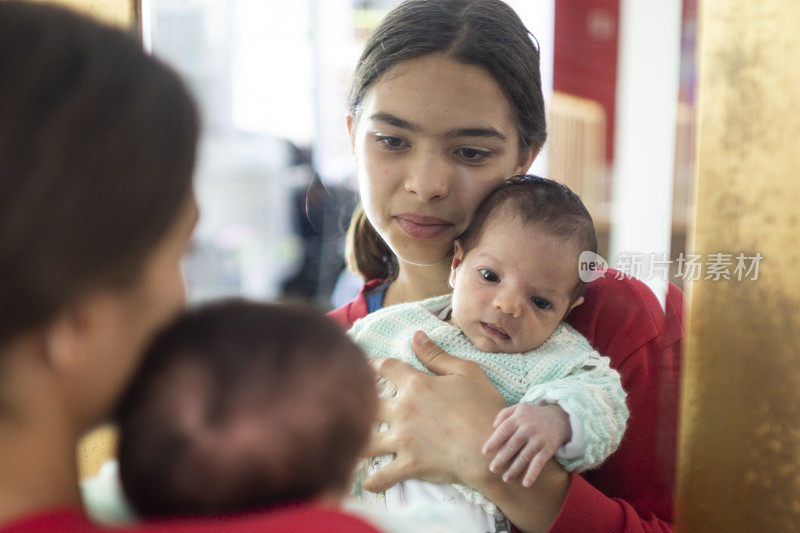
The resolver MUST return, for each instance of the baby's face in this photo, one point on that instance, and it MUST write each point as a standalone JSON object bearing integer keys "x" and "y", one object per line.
{"x": 514, "y": 287}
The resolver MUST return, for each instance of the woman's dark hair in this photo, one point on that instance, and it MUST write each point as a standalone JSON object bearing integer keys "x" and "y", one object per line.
{"x": 549, "y": 205}
{"x": 97, "y": 149}
{"x": 366, "y": 253}
{"x": 487, "y": 33}
{"x": 241, "y": 406}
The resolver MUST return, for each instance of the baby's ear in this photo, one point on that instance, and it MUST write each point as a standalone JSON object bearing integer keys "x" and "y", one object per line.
{"x": 578, "y": 301}
{"x": 458, "y": 254}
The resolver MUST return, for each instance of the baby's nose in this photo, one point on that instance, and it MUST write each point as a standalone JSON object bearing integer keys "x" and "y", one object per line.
{"x": 508, "y": 304}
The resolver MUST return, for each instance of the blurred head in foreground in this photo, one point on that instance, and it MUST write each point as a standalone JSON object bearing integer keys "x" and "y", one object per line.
{"x": 243, "y": 406}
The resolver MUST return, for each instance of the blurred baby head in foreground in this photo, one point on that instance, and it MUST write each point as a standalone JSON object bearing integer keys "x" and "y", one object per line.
{"x": 242, "y": 406}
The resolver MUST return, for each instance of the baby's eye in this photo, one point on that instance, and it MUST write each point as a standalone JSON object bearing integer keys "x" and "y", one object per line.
{"x": 391, "y": 142}
{"x": 473, "y": 155}
{"x": 540, "y": 302}
{"x": 488, "y": 275}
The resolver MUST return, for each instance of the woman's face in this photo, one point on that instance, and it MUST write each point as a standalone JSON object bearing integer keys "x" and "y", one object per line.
{"x": 126, "y": 319}
{"x": 432, "y": 138}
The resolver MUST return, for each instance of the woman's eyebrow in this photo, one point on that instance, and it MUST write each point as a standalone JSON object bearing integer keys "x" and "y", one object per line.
{"x": 395, "y": 121}
{"x": 476, "y": 132}
{"x": 398, "y": 122}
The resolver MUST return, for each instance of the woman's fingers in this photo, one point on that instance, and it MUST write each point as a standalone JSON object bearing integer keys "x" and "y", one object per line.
{"x": 379, "y": 444}
{"x": 437, "y": 423}
{"x": 437, "y": 360}
{"x": 500, "y": 435}
{"x": 384, "y": 410}
{"x": 386, "y": 477}
{"x": 395, "y": 370}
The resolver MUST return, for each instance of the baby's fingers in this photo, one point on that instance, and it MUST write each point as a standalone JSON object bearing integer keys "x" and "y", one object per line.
{"x": 535, "y": 468}
{"x": 501, "y": 434}
{"x": 521, "y": 462}
{"x": 511, "y": 447}
{"x": 503, "y": 415}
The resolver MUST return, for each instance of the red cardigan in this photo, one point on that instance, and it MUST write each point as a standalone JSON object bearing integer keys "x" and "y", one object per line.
{"x": 306, "y": 518}
{"x": 622, "y": 319}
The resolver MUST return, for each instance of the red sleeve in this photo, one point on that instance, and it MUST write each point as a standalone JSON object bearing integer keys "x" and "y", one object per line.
{"x": 303, "y": 519}
{"x": 352, "y": 311}
{"x": 588, "y": 509}
{"x": 63, "y": 520}
{"x": 632, "y": 490}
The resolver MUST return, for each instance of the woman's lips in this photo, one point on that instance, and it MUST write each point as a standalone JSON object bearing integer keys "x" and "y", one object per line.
{"x": 495, "y": 331}
{"x": 422, "y": 227}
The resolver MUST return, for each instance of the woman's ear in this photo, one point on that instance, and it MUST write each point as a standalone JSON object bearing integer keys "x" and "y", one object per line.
{"x": 63, "y": 340}
{"x": 76, "y": 335}
{"x": 351, "y": 132}
{"x": 458, "y": 255}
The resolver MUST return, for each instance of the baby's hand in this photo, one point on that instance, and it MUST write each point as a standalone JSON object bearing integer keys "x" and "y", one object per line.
{"x": 530, "y": 434}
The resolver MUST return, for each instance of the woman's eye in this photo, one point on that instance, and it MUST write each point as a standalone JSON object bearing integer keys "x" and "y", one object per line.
{"x": 473, "y": 154}
{"x": 488, "y": 275}
{"x": 540, "y": 302}
{"x": 391, "y": 142}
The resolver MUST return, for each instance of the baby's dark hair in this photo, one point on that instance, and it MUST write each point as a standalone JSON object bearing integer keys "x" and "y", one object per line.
{"x": 241, "y": 406}
{"x": 540, "y": 202}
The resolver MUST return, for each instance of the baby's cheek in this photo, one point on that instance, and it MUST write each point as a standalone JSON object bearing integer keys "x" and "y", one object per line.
{"x": 457, "y": 314}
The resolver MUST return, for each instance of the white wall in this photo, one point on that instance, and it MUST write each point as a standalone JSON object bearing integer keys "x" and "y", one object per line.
{"x": 539, "y": 16}
{"x": 646, "y": 115}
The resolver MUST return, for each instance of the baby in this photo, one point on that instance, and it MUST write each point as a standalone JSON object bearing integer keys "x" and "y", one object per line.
{"x": 241, "y": 406}
{"x": 515, "y": 278}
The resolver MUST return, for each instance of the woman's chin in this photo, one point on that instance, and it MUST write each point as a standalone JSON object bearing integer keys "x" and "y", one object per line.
{"x": 422, "y": 252}
{"x": 423, "y": 258}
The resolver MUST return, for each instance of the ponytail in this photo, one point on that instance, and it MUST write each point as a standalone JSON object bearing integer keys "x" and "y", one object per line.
{"x": 366, "y": 253}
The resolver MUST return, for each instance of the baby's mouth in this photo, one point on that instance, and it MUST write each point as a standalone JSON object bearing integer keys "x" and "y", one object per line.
{"x": 496, "y": 331}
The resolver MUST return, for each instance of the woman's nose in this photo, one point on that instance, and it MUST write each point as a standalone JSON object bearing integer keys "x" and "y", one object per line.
{"x": 506, "y": 302}
{"x": 429, "y": 177}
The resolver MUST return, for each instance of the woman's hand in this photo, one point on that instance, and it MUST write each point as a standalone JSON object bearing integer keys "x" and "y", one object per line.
{"x": 437, "y": 424}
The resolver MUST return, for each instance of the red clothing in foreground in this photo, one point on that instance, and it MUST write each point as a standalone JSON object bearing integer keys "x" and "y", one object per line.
{"x": 622, "y": 319}
{"x": 302, "y": 519}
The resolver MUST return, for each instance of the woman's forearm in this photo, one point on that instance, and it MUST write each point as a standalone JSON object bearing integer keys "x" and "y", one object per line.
{"x": 529, "y": 509}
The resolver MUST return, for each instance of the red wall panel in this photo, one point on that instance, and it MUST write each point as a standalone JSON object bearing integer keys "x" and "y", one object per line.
{"x": 585, "y": 54}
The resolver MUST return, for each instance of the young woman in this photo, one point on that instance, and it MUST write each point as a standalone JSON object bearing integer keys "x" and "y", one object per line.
{"x": 446, "y": 103}
{"x": 97, "y": 147}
